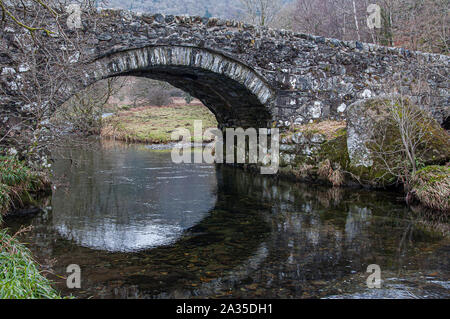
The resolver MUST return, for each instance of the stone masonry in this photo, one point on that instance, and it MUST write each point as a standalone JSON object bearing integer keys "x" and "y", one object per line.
{"x": 246, "y": 75}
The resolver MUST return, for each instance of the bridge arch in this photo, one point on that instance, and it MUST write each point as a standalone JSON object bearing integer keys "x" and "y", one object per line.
{"x": 234, "y": 92}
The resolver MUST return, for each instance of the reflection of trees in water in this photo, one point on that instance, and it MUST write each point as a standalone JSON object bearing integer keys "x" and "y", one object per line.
{"x": 317, "y": 235}
{"x": 323, "y": 234}
{"x": 300, "y": 248}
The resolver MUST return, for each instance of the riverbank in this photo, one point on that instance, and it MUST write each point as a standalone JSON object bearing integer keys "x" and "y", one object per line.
{"x": 20, "y": 276}
{"x": 386, "y": 142}
{"x": 431, "y": 187}
{"x": 19, "y": 185}
{"x": 318, "y": 153}
{"x": 155, "y": 125}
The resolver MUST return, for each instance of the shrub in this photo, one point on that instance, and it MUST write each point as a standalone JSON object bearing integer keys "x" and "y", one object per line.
{"x": 336, "y": 178}
{"x": 13, "y": 172}
{"x": 159, "y": 96}
{"x": 188, "y": 98}
{"x": 17, "y": 181}
{"x": 176, "y": 92}
{"x": 325, "y": 169}
{"x": 5, "y": 199}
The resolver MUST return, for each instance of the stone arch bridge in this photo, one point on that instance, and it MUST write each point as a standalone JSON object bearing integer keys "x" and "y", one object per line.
{"x": 246, "y": 75}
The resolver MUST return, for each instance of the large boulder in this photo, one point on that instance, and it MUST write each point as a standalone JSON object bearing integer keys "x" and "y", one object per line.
{"x": 370, "y": 122}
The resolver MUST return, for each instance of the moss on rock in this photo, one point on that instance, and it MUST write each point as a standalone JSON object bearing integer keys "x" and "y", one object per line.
{"x": 377, "y": 145}
{"x": 434, "y": 148}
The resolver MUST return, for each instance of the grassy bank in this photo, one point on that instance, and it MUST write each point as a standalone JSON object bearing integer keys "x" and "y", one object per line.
{"x": 154, "y": 125}
{"x": 18, "y": 183}
{"x": 19, "y": 273}
{"x": 431, "y": 187}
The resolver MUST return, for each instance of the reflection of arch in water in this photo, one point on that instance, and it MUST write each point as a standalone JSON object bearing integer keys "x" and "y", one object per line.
{"x": 289, "y": 234}
{"x": 218, "y": 252}
{"x": 122, "y": 200}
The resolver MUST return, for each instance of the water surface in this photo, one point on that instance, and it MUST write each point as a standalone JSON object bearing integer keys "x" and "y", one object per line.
{"x": 142, "y": 227}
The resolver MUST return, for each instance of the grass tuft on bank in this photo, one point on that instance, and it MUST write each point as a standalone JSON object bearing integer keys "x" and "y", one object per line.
{"x": 17, "y": 183}
{"x": 431, "y": 186}
{"x": 20, "y": 277}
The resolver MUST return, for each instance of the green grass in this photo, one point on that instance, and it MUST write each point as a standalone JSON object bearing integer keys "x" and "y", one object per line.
{"x": 17, "y": 182}
{"x": 19, "y": 274}
{"x": 156, "y": 124}
{"x": 13, "y": 172}
{"x": 5, "y": 198}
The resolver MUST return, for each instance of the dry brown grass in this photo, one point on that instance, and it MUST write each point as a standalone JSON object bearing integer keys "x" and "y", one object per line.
{"x": 325, "y": 169}
{"x": 336, "y": 178}
{"x": 327, "y": 128}
{"x": 431, "y": 186}
{"x": 303, "y": 171}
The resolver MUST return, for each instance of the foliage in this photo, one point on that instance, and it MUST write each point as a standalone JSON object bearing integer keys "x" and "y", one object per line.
{"x": 19, "y": 275}
{"x": 261, "y": 12}
{"x": 5, "y": 198}
{"x": 158, "y": 96}
{"x": 49, "y": 71}
{"x": 412, "y": 24}
{"x": 13, "y": 171}
{"x": 83, "y": 112}
{"x": 17, "y": 181}
{"x": 188, "y": 98}
{"x": 230, "y": 9}
{"x": 144, "y": 92}
{"x": 7, "y": 12}
{"x": 406, "y": 139}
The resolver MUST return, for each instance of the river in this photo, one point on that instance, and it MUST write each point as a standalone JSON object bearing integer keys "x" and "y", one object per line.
{"x": 140, "y": 226}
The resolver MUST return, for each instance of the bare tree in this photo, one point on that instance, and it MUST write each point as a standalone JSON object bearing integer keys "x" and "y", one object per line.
{"x": 421, "y": 24}
{"x": 83, "y": 113}
{"x": 45, "y": 72}
{"x": 151, "y": 92}
{"x": 413, "y": 24}
{"x": 403, "y": 140}
{"x": 355, "y": 17}
{"x": 343, "y": 19}
{"x": 261, "y": 12}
